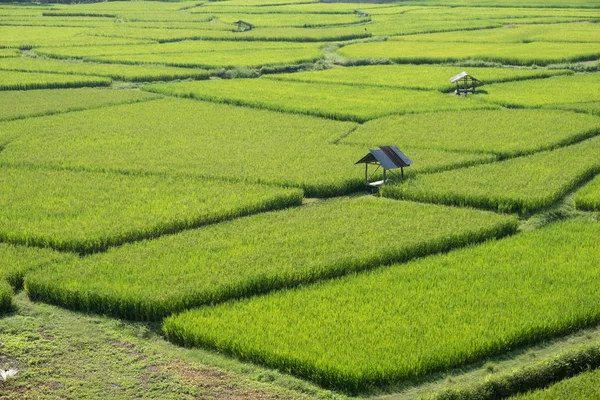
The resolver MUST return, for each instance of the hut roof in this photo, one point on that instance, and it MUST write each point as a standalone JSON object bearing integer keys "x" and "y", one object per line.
{"x": 390, "y": 157}
{"x": 462, "y": 75}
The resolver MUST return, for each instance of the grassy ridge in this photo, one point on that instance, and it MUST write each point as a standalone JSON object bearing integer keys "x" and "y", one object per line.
{"x": 537, "y": 53}
{"x": 38, "y": 204}
{"x": 506, "y": 133}
{"x": 23, "y": 104}
{"x": 13, "y": 80}
{"x": 152, "y": 279}
{"x": 588, "y": 198}
{"x": 555, "y": 91}
{"x": 409, "y": 320}
{"x": 403, "y": 76}
{"x": 211, "y": 140}
{"x": 524, "y": 184}
{"x": 117, "y": 72}
{"x": 341, "y": 102}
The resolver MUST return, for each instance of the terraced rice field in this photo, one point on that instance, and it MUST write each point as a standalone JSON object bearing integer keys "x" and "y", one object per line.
{"x": 524, "y": 184}
{"x": 406, "y": 320}
{"x": 256, "y": 255}
{"x": 341, "y": 102}
{"x": 166, "y": 175}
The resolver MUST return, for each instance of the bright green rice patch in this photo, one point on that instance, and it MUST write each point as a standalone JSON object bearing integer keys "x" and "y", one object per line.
{"x": 22, "y": 104}
{"x": 264, "y": 34}
{"x": 553, "y": 91}
{"x": 211, "y": 140}
{"x": 52, "y": 208}
{"x": 6, "y": 293}
{"x": 523, "y": 184}
{"x": 538, "y": 53}
{"x": 409, "y": 320}
{"x": 15, "y": 80}
{"x": 591, "y": 107}
{"x": 16, "y": 261}
{"x": 576, "y": 32}
{"x": 113, "y": 71}
{"x": 27, "y": 37}
{"x": 501, "y": 132}
{"x": 583, "y": 386}
{"x": 152, "y": 279}
{"x": 6, "y": 53}
{"x": 232, "y": 59}
{"x": 342, "y": 102}
{"x": 425, "y": 77}
{"x": 187, "y": 46}
{"x": 588, "y": 198}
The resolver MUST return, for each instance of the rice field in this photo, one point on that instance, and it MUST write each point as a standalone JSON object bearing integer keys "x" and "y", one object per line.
{"x": 516, "y": 132}
{"x": 583, "y": 386}
{"x": 37, "y": 203}
{"x": 172, "y": 169}
{"x": 258, "y": 254}
{"x": 580, "y": 88}
{"x": 24, "y": 37}
{"x": 335, "y": 101}
{"x": 14, "y": 80}
{"x": 535, "y": 53}
{"x": 524, "y": 184}
{"x": 15, "y": 104}
{"x": 17, "y": 261}
{"x": 407, "y": 320}
{"x": 588, "y": 198}
{"x": 573, "y": 33}
{"x": 6, "y": 294}
{"x": 211, "y": 142}
{"x": 113, "y": 71}
{"x": 431, "y": 77}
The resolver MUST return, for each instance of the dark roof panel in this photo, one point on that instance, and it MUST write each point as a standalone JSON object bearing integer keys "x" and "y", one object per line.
{"x": 390, "y": 157}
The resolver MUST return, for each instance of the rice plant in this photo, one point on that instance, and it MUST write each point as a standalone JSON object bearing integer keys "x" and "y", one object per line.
{"x": 415, "y": 52}
{"x": 31, "y": 103}
{"x": 431, "y": 77}
{"x": 16, "y": 261}
{"x": 14, "y": 80}
{"x": 211, "y": 141}
{"x": 6, "y": 294}
{"x": 588, "y": 198}
{"x": 152, "y": 279}
{"x": 341, "y": 102}
{"x": 412, "y": 319}
{"x": 524, "y": 184}
{"x": 113, "y": 71}
{"x": 505, "y": 133}
{"x": 579, "y": 88}
{"x": 48, "y": 208}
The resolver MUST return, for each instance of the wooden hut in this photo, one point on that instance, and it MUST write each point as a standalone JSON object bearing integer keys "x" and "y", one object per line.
{"x": 465, "y": 83}
{"x": 243, "y": 26}
{"x": 386, "y": 157}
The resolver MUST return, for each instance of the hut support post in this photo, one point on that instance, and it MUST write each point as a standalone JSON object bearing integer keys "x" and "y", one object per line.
{"x": 402, "y": 172}
{"x": 366, "y": 172}
{"x": 384, "y": 175}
